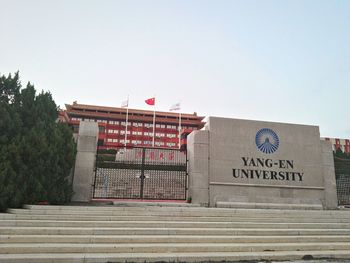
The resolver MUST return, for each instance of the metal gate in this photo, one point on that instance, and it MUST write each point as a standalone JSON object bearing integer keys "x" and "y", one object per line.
{"x": 141, "y": 173}
{"x": 343, "y": 189}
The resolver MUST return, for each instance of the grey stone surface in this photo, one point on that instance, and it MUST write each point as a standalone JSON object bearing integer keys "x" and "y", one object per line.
{"x": 224, "y": 143}
{"x": 86, "y": 143}
{"x": 85, "y": 162}
{"x": 330, "y": 194}
{"x": 198, "y": 155}
{"x": 88, "y": 128}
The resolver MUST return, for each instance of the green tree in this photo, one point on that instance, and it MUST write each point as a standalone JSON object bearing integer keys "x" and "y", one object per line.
{"x": 36, "y": 152}
{"x": 339, "y": 153}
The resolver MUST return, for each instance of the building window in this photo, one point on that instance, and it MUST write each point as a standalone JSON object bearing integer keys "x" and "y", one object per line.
{"x": 171, "y": 135}
{"x": 123, "y": 132}
{"x": 137, "y": 124}
{"x": 114, "y": 122}
{"x": 102, "y": 121}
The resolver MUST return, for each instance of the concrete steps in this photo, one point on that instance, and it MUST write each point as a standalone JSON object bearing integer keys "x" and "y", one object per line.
{"x": 170, "y": 234}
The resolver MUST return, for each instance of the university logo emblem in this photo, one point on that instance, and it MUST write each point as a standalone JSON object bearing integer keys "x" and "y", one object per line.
{"x": 267, "y": 140}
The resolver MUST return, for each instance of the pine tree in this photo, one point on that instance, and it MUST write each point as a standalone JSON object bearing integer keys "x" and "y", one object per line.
{"x": 36, "y": 152}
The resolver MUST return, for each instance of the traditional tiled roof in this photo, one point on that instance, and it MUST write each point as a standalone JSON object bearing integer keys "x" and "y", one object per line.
{"x": 76, "y": 109}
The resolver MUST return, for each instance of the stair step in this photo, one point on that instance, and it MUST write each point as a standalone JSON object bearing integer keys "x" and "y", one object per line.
{"x": 166, "y": 239}
{"x": 169, "y": 218}
{"x": 170, "y": 224}
{"x": 167, "y": 248}
{"x": 171, "y": 257}
{"x": 167, "y": 231}
{"x": 269, "y": 205}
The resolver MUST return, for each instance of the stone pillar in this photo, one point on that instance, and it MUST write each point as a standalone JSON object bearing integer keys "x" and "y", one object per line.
{"x": 330, "y": 192}
{"x": 85, "y": 162}
{"x": 198, "y": 167}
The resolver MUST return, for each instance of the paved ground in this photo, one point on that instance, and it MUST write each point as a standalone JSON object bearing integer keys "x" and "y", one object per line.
{"x": 297, "y": 261}
{"x": 315, "y": 261}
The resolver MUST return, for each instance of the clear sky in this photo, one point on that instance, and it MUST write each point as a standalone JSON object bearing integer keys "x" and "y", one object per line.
{"x": 286, "y": 61}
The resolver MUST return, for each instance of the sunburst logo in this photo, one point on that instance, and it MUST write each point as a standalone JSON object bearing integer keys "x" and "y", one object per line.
{"x": 267, "y": 140}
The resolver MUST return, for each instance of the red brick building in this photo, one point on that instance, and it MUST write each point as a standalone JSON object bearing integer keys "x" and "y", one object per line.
{"x": 342, "y": 144}
{"x": 111, "y": 122}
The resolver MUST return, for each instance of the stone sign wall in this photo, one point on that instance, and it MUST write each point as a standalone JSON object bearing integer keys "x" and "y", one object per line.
{"x": 245, "y": 163}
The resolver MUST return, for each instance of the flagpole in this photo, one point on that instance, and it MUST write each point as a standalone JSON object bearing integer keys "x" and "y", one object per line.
{"x": 126, "y": 123}
{"x": 179, "y": 129}
{"x": 154, "y": 123}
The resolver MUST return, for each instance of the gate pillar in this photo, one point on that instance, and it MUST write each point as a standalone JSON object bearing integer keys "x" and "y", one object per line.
{"x": 198, "y": 167}
{"x": 85, "y": 162}
{"x": 331, "y": 200}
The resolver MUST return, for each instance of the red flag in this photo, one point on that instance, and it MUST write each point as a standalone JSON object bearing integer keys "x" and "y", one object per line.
{"x": 151, "y": 101}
